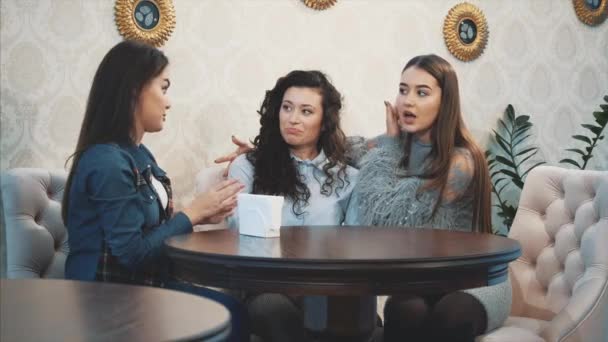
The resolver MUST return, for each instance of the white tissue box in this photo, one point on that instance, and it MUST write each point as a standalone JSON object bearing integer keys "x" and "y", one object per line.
{"x": 259, "y": 215}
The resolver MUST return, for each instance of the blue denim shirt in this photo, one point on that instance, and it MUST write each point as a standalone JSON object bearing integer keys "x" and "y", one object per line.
{"x": 321, "y": 209}
{"x": 108, "y": 203}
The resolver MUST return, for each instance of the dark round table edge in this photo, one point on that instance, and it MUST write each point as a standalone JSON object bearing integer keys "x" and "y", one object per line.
{"x": 326, "y": 277}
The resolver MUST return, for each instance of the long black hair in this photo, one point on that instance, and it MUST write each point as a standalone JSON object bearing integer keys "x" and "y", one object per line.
{"x": 274, "y": 170}
{"x": 109, "y": 115}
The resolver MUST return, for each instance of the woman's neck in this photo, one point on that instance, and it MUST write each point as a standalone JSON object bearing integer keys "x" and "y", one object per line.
{"x": 423, "y": 137}
{"x": 137, "y": 135}
{"x": 304, "y": 152}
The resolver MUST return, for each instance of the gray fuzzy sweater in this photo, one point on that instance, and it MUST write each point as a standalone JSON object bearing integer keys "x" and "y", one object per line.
{"x": 383, "y": 196}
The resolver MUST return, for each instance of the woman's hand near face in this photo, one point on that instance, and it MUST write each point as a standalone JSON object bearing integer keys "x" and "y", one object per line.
{"x": 392, "y": 120}
{"x": 241, "y": 148}
{"x": 214, "y": 205}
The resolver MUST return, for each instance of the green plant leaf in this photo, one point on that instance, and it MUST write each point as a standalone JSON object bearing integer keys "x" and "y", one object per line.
{"x": 522, "y": 123}
{"x": 499, "y": 137}
{"x": 508, "y": 212}
{"x": 518, "y": 183}
{"x": 587, "y": 157}
{"x": 521, "y": 139}
{"x": 526, "y": 151}
{"x": 505, "y": 128}
{"x": 505, "y": 161}
{"x": 495, "y": 173}
{"x": 502, "y": 188}
{"x": 576, "y": 150}
{"x": 528, "y": 157}
{"x": 601, "y": 118}
{"x": 510, "y": 173}
{"x": 604, "y": 107}
{"x": 522, "y": 120}
{"x": 595, "y": 129}
{"x": 510, "y": 113}
{"x": 503, "y": 145}
{"x": 582, "y": 138}
{"x": 570, "y": 161}
{"x": 498, "y": 181}
{"x": 524, "y": 126}
{"x": 519, "y": 133}
{"x": 530, "y": 169}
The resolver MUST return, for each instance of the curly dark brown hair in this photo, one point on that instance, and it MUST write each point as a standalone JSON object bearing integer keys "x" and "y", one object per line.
{"x": 275, "y": 172}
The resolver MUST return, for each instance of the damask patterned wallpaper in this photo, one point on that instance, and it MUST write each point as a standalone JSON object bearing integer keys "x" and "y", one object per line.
{"x": 225, "y": 53}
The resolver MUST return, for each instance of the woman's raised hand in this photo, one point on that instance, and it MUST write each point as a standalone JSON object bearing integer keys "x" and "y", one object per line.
{"x": 241, "y": 147}
{"x": 392, "y": 120}
{"x": 213, "y": 206}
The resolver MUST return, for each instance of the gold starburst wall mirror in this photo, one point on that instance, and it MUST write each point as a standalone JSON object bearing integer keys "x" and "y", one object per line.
{"x": 319, "y": 4}
{"x": 150, "y": 21}
{"x": 591, "y": 12}
{"x": 465, "y": 31}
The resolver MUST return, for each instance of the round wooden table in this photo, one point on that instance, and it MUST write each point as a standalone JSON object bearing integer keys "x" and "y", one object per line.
{"x": 343, "y": 268}
{"x": 63, "y": 310}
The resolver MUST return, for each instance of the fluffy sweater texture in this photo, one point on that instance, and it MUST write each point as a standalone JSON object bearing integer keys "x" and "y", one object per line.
{"x": 383, "y": 196}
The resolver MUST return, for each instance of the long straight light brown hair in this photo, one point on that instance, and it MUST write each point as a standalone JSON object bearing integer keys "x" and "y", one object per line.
{"x": 447, "y": 133}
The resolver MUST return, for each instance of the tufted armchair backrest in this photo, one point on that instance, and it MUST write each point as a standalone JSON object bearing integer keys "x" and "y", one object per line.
{"x": 562, "y": 274}
{"x": 36, "y": 239}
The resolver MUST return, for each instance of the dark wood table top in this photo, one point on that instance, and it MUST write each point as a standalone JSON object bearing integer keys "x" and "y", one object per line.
{"x": 336, "y": 260}
{"x": 62, "y": 310}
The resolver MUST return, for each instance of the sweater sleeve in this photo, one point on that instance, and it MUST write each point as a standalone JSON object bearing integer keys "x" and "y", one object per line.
{"x": 386, "y": 195}
{"x": 357, "y": 147}
{"x": 120, "y": 209}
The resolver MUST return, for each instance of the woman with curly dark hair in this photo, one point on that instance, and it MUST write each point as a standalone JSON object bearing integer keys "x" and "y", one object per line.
{"x": 299, "y": 151}
{"x": 298, "y": 154}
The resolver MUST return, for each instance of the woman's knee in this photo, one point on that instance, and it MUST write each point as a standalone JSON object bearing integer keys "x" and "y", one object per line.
{"x": 271, "y": 305}
{"x": 406, "y": 309}
{"x": 460, "y": 310}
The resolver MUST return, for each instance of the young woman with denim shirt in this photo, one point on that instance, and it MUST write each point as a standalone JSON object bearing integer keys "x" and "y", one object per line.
{"x": 117, "y": 203}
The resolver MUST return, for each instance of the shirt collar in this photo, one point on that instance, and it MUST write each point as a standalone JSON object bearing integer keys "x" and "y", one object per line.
{"x": 143, "y": 159}
{"x": 317, "y": 161}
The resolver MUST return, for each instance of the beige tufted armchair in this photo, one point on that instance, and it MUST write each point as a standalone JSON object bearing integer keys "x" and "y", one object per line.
{"x": 36, "y": 239}
{"x": 560, "y": 282}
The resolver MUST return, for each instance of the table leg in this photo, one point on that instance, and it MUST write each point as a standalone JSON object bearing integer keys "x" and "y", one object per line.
{"x": 340, "y": 318}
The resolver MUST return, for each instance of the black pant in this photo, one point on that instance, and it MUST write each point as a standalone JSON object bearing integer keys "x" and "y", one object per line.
{"x": 455, "y": 317}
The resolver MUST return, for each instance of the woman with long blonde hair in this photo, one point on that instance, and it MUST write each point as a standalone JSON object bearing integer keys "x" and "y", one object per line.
{"x": 428, "y": 172}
